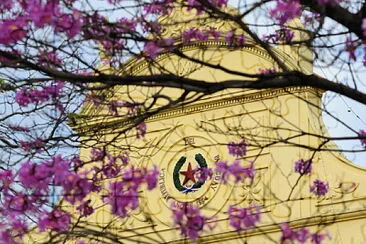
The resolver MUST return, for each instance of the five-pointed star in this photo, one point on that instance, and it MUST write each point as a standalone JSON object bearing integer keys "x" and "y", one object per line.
{"x": 189, "y": 174}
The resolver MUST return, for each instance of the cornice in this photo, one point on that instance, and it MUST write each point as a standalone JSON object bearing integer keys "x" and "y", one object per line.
{"x": 273, "y": 228}
{"x": 203, "y": 107}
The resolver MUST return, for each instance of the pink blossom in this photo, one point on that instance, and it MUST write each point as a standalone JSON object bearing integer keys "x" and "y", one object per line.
{"x": 151, "y": 49}
{"x": 319, "y": 188}
{"x": 76, "y": 161}
{"x": 49, "y": 58}
{"x": 244, "y": 218}
{"x": 111, "y": 169}
{"x": 303, "y": 167}
{"x": 158, "y": 7}
{"x": 121, "y": 199}
{"x": 76, "y": 188}
{"x": 202, "y": 174}
{"x": 70, "y": 24}
{"x": 351, "y": 48}
{"x": 189, "y": 34}
{"x": 302, "y": 235}
{"x": 85, "y": 209}
{"x": 288, "y": 234}
{"x": 18, "y": 204}
{"x": 240, "y": 173}
{"x": 34, "y": 176}
{"x": 43, "y": 15}
{"x": 123, "y": 195}
{"x": 151, "y": 178}
{"x": 24, "y": 97}
{"x": 285, "y": 11}
{"x": 124, "y": 157}
{"x": 126, "y": 24}
{"x": 237, "y": 149}
{"x": 140, "y": 130}
{"x": 214, "y": 33}
{"x": 267, "y": 71}
{"x": 95, "y": 99}
{"x": 59, "y": 168}
{"x": 363, "y": 141}
{"x": 56, "y": 220}
{"x": 36, "y": 145}
{"x": 229, "y": 37}
{"x": 6, "y": 179}
{"x": 12, "y": 30}
{"x": 19, "y": 128}
{"x": 98, "y": 154}
{"x": 283, "y": 35}
{"x": 189, "y": 220}
{"x": 317, "y": 238}
{"x": 6, "y": 5}
{"x": 6, "y": 237}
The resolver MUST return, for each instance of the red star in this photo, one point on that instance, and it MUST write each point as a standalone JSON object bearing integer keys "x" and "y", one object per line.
{"x": 189, "y": 174}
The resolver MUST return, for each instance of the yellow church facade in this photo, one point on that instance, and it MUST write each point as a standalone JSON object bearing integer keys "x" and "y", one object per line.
{"x": 279, "y": 125}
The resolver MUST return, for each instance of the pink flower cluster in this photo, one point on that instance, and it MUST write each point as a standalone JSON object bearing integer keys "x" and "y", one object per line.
{"x": 244, "y": 218}
{"x": 123, "y": 195}
{"x": 85, "y": 209}
{"x": 24, "y": 97}
{"x": 111, "y": 165}
{"x": 49, "y": 58}
{"x": 303, "y": 167}
{"x": 13, "y": 30}
{"x": 302, "y": 235}
{"x": 36, "y": 145}
{"x": 153, "y": 48}
{"x": 140, "y": 130}
{"x": 189, "y": 220}
{"x": 202, "y": 174}
{"x": 6, "y": 5}
{"x": 159, "y": 7}
{"x": 40, "y": 14}
{"x": 285, "y": 10}
{"x": 267, "y": 71}
{"x": 27, "y": 193}
{"x": 239, "y": 173}
{"x": 283, "y": 35}
{"x": 15, "y": 232}
{"x": 57, "y": 172}
{"x": 319, "y": 188}
{"x": 363, "y": 141}
{"x": 19, "y": 128}
{"x": 56, "y": 220}
{"x": 237, "y": 149}
{"x": 194, "y": 34}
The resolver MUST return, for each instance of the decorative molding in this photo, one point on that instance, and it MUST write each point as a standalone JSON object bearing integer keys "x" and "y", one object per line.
{"x": 273, "y": 228}
{"x": 204, "y": 107}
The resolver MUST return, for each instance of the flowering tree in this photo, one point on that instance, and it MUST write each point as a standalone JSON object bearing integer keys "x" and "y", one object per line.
{"x": 57, "y": 56}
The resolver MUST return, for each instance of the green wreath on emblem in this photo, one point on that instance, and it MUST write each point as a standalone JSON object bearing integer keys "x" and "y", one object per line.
{"x": 202, "y": 163}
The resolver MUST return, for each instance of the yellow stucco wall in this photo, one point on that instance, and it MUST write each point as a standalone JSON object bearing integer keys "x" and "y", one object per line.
{"x": 278, "y": 125}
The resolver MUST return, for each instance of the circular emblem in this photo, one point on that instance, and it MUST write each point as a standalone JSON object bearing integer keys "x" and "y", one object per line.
{"x": 179, "y": 180}
{"x": 189, "y": 174}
